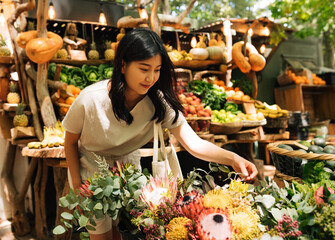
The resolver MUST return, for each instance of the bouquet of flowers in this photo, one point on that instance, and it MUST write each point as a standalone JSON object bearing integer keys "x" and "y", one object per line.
{"x": 198, "y": 208}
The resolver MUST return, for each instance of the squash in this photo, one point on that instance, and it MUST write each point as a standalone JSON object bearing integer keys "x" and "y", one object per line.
{"x": 215, "y": 53}
{"x": 199, "y": 53}
{"x": 239, "y": 58}
{"x": 256, "y": 61}
{"x": 25, "y": 37}
{"x": 41, "y": 50}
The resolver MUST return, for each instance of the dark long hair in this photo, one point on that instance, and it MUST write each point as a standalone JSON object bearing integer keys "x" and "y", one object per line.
{"x": 141, "y": 44}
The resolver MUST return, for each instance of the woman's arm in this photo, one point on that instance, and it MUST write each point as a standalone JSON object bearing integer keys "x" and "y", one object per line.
{"x": 72, "y": 157}
{"x": 210, "y": 152}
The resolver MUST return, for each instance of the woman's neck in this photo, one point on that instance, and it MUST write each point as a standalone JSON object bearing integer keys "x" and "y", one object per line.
{"x": 132, "y": 100}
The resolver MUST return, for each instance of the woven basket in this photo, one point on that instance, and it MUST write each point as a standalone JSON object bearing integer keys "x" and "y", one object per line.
{"x": 209, "y": 73}
{"x": 289, "y": 162}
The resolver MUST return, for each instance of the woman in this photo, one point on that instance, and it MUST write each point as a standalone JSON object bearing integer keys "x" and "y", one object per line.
{"x": 115, "y": 118}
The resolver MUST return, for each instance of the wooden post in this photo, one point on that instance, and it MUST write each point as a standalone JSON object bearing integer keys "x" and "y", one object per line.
{"x": 17, "y": 51}
{"x": 34, "y": 109}
{"x": 20, "y": 221}
{"x": 42, "y": 92}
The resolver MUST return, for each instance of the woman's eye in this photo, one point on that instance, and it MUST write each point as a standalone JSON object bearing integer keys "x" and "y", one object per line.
{"x": 144, "y": 70}
{"x": 157, "y": 70}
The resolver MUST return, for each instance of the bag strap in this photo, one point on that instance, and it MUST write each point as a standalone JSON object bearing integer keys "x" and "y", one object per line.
{"x": 155, "y": 154}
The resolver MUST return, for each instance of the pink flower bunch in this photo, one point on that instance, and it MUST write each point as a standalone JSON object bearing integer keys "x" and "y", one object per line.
{"x": 288, "y": 228}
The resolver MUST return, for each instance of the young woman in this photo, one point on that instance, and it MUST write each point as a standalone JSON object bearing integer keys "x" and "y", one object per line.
{"x": 114, "y": 118}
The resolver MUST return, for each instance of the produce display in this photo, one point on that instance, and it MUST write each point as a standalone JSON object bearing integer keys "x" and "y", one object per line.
{"x": 53, "y": 137}
{"x": 271, "y": 111}
{"x": 82, "y": 76}
{"x": 310, "y": 171}
{"x": 93, "y": 54}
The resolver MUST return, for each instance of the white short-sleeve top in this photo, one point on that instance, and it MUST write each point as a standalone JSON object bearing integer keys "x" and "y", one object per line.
{"x": 91, "y": 115}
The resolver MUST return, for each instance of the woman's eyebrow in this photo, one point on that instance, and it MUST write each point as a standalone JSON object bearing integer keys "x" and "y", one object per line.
{"x": 148, "y": 65}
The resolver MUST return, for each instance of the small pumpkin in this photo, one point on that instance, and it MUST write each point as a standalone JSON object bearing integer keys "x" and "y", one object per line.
{"x": 215, "y": 53}
{"x": 256, "y": 60}
{"x": 199, "y": 53}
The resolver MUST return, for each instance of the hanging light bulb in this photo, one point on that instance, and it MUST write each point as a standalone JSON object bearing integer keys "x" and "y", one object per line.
{"x": 143, "y": 12}
{"x": 262, "y": 49}
{"x": 102, "y": 18}
{"x": 193, "y": 42}
{"x": 51, "y": 11}
{"x": 250, "y": 32}
{"x": 2, "y": 18}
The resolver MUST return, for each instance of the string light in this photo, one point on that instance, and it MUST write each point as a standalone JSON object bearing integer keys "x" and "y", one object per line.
{"x": 51, "y": 11}
{"x": 2, "y": 17}
{"x": 102, "y": 17}
{"x": 250, "y": 32}
{"x": 143, "y": 13}
{"x": 193, "y": 42}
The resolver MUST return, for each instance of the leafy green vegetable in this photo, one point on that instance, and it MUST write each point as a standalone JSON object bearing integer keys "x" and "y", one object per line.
{"x": 244, "y": 85}
{"x": 211, "y": 95}
{"x": 77, "y": 77}
{"x": 314, "y": 172}
{"x": 105, "y": 71}
{"x": 91, "y": 73}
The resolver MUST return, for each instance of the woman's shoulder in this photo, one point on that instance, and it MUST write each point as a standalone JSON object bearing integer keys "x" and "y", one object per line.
{"x": 94, "y": 91}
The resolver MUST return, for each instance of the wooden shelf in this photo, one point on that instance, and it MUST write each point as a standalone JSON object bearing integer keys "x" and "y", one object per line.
{"x": 10, "y": 107}
{"x": 81, "y": 62}
{"x": 6, "y": 60}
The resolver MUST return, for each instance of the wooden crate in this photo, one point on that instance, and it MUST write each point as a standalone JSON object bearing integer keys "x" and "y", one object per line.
{"x": 317, "y": 100}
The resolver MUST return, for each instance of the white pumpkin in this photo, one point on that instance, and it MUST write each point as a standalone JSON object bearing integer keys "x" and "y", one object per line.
{"x": 199, "y": 53}
{"x": 215, "y": 53}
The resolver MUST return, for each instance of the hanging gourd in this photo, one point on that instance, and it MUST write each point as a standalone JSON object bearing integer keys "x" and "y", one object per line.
{"x": 256, "y": 61}
{"x": 40, "y": 50}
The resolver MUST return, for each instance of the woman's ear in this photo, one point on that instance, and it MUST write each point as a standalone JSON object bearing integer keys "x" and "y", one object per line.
{"x": 123, "y": 68}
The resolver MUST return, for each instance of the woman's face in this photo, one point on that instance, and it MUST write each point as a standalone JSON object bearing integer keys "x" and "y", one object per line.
{"x": 141, "y": 75}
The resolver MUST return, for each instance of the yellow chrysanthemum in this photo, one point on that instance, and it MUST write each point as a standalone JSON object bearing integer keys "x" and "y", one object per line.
{"x": 218, "y": 198}
{"x": 245, "y": 225}
{"x": 177, "y": 230}
{"x": 238, "y": 186}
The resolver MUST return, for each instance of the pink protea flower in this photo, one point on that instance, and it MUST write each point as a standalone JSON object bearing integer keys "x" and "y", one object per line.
{"x": 158, "y": 189}
{"x": 84, "y": 191}
{"x": 191, "y": 204}
{"x": 214, "y": 224}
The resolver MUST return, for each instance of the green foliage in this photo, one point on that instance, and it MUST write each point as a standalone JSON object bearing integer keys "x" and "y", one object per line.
{"x": 313, "y": 17}
{"x": 211, "y": 95}
{"x": 114, "y": 193}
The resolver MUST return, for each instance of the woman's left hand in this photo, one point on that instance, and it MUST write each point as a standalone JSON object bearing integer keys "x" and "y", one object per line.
{"x": 246, "y": 169}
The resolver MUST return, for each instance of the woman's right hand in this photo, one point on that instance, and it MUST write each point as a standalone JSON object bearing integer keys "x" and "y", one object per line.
{"x": 246, "y": 169}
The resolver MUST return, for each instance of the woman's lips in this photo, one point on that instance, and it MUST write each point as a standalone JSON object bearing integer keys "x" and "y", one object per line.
{"x": 145, "y": 86}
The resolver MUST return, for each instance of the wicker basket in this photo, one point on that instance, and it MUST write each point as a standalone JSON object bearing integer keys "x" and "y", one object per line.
{"x": 290, "y": 162}
{"x": 208, "y": 73}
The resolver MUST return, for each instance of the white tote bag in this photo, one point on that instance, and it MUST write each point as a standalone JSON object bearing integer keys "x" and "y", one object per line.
{"x": 165, "y": 159}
